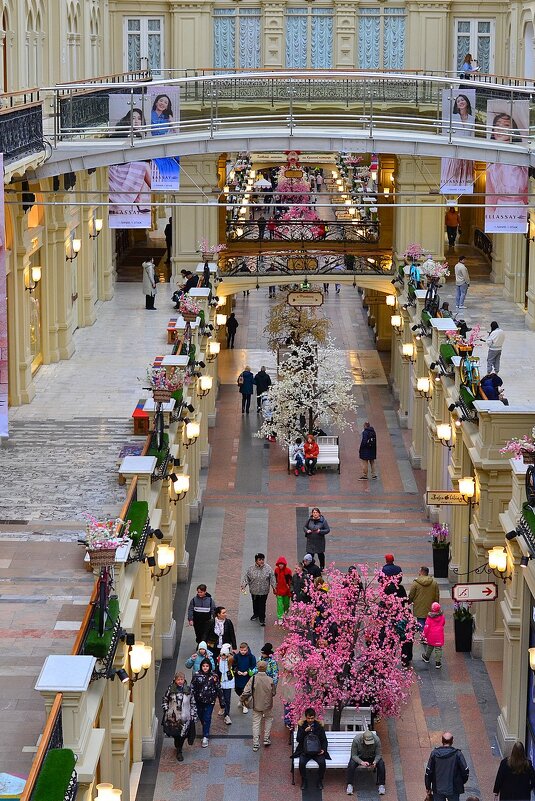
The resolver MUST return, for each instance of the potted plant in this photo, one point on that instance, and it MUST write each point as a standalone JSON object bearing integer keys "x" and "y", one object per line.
{"x": 521, "y": 447}
{"x": 188, "y": 308}
{"x": 435, "y": 272}
{"x": 102, "y": 539}
{"x": 440, "y": 541}
{"x": 463, "y": 624}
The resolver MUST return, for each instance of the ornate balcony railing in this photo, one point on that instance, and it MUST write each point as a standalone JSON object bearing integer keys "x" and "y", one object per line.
{"x": 316, "y": 265}
{"x": 300, "y": 230}
{"x": 21, "y": 125}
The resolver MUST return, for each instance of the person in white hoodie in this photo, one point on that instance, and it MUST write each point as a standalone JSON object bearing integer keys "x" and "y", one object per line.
{"x": 495, "y": 341}
{"x": 225, "y": 667}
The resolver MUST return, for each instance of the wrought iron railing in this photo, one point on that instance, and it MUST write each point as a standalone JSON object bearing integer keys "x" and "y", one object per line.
{"x": 21, "y": 125}
{"x": 314, "y": 264}
{"x": 483, "y": 243}
{"x": 299, "y": 230}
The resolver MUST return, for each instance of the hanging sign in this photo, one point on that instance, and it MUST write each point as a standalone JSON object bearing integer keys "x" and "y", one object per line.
{"x": 445, "y": 498}
{"x": 484, "y": 591}
{"x": 305, "y": 299}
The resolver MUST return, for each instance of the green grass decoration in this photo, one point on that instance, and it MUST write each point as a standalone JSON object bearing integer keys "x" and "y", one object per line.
{"x": 55, "y": 775}
{"x": 138, "y": 512}
{"x": 95, "y": 645}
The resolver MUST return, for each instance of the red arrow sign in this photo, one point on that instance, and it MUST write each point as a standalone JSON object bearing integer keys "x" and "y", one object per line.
{"x": 484, "y": 591}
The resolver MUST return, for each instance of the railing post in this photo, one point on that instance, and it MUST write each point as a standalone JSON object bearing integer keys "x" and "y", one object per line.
{"x": 451, "y": 113}
{"x": 371, "y": 112}
{"x": 56, "y": 116}
{"x": 211, "y": 109}
{"x": 132, "y": 117}
{"x": 290, "y": 90}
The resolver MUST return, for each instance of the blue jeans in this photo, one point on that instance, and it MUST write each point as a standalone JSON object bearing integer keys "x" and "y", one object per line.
{"x": 461, "y": 295}
{"x": 226, "y": 698}
{"x": 299, "y": 461}
{"x": 205, "y": 716}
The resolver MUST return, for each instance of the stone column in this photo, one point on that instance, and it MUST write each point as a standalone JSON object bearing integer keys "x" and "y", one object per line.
{"x": 199, "y": 175}
{"x": 426, "y": 227}
{"x": 274, "y": 38}
{"x": 345, "y": 35}
{"x": 417, "y": 453}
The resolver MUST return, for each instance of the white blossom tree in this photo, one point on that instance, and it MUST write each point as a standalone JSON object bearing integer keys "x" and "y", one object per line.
{"x": 313, "y": 392}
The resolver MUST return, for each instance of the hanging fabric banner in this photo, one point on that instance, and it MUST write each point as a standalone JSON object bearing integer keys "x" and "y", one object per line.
{"x": 3, "y": 313}
{"x": 456, "y": 177}
{"x": 458, "y": 117}
{"x": 165, "y": 175}
{"x": 130, "y": 187}
{"x": 506, "y": 200}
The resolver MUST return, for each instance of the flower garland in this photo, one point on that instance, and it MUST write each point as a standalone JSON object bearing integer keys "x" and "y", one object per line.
{"x": 470, "y": 340}
{"x": 435, "y": 269}
{"x": 102, "y": 534}
{"x": 519, "y": 445}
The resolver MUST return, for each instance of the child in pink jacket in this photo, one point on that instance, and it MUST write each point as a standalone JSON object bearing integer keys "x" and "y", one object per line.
{"x": 433, "y": 634}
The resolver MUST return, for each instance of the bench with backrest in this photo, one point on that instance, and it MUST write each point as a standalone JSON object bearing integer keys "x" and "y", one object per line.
{"x": 329, "y": 455}
{"x": 338, "y": 745}
{"x": 353, "y": 718}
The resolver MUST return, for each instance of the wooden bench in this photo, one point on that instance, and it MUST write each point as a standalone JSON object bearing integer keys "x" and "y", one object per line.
{"x": 338, "y": 745}
{"x": 329, "y": 455}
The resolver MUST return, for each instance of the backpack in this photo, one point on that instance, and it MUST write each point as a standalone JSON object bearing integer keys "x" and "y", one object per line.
{"x": 371, "y": 441}
{"x": 240, "y": 379}
{"x": 311, "y": 744}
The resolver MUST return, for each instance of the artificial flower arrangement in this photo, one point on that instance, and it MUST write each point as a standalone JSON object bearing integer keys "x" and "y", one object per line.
{"x": 188, "y": 305}
{"x": 415, "y": 252}
{"x": 353, "y": 161}
{"x": 520, "y": 446}
{"x": 213, "y": 250}
{"x": 159, "y": 378}
{"x": 440, "y": 535}
{"x": 462, "y": 611}
{"x": 469, "y": 341}
{"x": 103, "y": 534}
{"x": 435, "y": 270}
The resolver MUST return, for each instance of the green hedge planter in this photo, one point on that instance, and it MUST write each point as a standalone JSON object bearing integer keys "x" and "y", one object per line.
{"x": 466, "y": 395}
{"x": 55, "y": 775}
{"x": 160, "y": 455}
{"x": 138, "y": 511}
{"x": 95, "y": 645}
{"x": 178, "y": 395}
{"x": 447, "y": 352}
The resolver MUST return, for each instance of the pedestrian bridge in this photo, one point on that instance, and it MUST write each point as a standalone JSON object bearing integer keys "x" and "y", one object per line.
{"x": 361, "y": 112}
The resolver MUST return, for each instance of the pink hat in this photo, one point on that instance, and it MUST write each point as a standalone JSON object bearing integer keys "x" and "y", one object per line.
{"x": 435, "y": 607}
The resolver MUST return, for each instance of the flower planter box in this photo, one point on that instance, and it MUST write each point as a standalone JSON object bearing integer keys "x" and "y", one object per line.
{"x": 528, "y": 457}
{"x": 441, "y": 558}
{"x": 102, "y": 557}
{"x": 161, "y": 395}
{"x": 463, "y": 635}
{"x": 189, "y": 317}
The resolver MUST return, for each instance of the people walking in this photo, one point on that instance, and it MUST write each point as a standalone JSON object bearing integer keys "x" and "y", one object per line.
{"x": 259, "y": 693}
{"x": 312, "y": 451}
{"x": 433, "y": 634}
{"x": 262, "y": 382}
{"x": 261, "y": 222}
{"x": 206, "y": 688}
{"x": 259, "y": 578}
{"x": 423, "y": 593}
{"x": 462, "y": 282}
{"x": 446, "y": 772}
{"x": 245, "y": 667}
{"x": 283, "y": 587}
{"x": 297, "y": 455}
{"x": 232, "y": 327}
{"x": 272, "y": 667}
{"x": 220, "y": 630}
{"x": 201, "y": 608}
{"x": 453, "y": 225}
{"x": 366, "y": 753}
{"x": 168, "y": 233}
{"x": 515, "y": 779}
{"x": 311, "y": 744}
{"x": 272, "y": 226}
{"x": 179, "y": 713}
{"x": 495, "y": 341}
{"x": 246, "y": 386}
{"x": 390, "y": 568}
{"x": 368, "y": 451}
{"x": 225, "y": 669}
{"x": 316, "y": 528}
{"x": 149, "y": 283}
{"x": 202, "y": 652}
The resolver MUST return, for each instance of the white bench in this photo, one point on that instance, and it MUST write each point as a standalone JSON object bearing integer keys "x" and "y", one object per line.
{"x": 338, "y": 745}
{"x": 329, "y": 455}
{"x": 353, "y": 718}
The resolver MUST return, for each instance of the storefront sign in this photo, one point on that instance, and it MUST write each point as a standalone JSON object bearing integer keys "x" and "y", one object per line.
{"x": 445, "y": 498}
{"x": 293, "y": 173}
{"x": 3, "y": 314}
{"x": 305, "y": 299}
{"x": 485, "y": 591}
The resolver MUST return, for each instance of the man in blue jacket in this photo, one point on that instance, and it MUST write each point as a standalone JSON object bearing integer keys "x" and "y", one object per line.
{"x": 446, "y": 772}
{"x": 368, "y": 451}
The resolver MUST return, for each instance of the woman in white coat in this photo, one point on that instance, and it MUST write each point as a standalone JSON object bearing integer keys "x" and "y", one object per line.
{"x": 149, "y": 283}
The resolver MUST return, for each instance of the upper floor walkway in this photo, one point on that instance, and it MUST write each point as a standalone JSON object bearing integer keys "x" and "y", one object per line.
{"x": 109, "y": 121}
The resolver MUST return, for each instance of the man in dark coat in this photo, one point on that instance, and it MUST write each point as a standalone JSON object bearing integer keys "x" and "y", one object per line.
{"x": 303, "y": 575}
{"x": 311, "y": 744}
{"x": 200, "y": 610}
{"x": 368, "y": 451}
{"x": 245, "y": 383}
{"x": 262, "y": 382}
{"x": 168, "y": 233}
{"x": 446, "y": 772}
{"x": 232, "y": 327}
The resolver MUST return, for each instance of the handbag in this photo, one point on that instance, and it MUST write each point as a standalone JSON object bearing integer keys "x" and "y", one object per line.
{"x": 171, "y": 728}
{"x": 192, "y": 733}
{"x": 311, "y": 744}
{"x": 248, "y": 702}
{"x": 240, "y": 379}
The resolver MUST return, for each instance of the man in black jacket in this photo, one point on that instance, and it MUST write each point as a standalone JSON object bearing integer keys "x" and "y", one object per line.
{"x": 304, "y": 573}
{"x": 262, "y": 382}
{"x": 201, "y": 610}
{"x": 446, "y": 772}
{"x": 220, "y": 630}
{"x": 311, "y": 744}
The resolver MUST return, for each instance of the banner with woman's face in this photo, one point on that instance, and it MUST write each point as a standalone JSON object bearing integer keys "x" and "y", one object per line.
{"x": 506, "y": 198}
{"x": 130, "y": 195}
{"x": 458, "y": 118}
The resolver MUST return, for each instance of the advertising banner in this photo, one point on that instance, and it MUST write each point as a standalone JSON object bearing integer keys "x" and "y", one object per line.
{"x": 3, "y": 313}
{"x": 506, "y": 201}
{"x": 129, "y": 195}
{"x": 154, "y": 112}
{"x": 165, "y": 175}
{"x": 458, "y": 116}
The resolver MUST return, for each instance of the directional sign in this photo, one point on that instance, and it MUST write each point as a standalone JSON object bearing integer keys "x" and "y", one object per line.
{"x": 305, "y": 298}
{"x": 485, "y": 591}
{"x": 445, "y": 498}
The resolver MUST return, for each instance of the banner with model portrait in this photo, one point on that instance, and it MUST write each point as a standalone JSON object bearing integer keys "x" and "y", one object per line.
{"x": 154, "y": 112}
{"x": 3, "y": 313}
{"x": 506, "y": 200}
{"x": 458, "y": 116}
{"x": 130, "y": 195}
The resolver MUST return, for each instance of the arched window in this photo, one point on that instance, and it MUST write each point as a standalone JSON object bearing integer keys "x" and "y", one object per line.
{"x": 5, "y": 51}
{"x": 73, "y": 40}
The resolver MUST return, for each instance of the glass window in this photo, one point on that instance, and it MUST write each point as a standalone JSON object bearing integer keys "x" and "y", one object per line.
{"x": 309, "y": 38}
{"x": 144, "y": 44}
{"x": 477, "y": 38}
{"x": 237, "y": 35}
{"x": 381, "y": 38}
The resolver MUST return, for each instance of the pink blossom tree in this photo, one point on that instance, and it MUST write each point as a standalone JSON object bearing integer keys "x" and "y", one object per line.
{"x": 344, "y": 647}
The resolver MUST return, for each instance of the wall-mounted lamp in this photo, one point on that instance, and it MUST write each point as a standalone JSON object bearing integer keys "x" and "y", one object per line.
{"x": 444, "y": 435}
{"x": 204, "y": 385}
{"x": 180, "y": 486}
{"x": 530, "y": 233}
{"x": 498, "y": 563}
{"x": 75, "y": 247}
{"x": 106, "y": 791}
{"x": 423, "y": 387}
{"x": 139, "y": 659}
{"x": 531, "y": 652}
{"x": 95, "y": 227}
{"x": 32, "y": 276}
{"x": 525, "y": 560}
{"x": 396, "y": 322}
{"x": 386, "y": 191}
{"x": 213, "y": 350}
{"x": 407, "y": 352}
{"x": 390, "y": 300}
{"x": 165, "y": 559}
{"x": 221, "y": 319}
{"x": 193, "y": 429}
{"x": 467, "y": 488}
{"x": 221, "y": 302}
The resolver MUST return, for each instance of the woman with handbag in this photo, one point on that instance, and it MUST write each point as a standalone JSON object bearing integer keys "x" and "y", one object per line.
{"x": 179, "y": 713}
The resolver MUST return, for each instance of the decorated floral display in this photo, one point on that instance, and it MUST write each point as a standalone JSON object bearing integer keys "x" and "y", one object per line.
{"x": 159, "y": 378}
{"x": 188, "y": 305}
{"x": 300, "y": 215}
{"x": 440, "y": 535}
{"x": 461, "y": 611}
{"x": 435, "y": 270}
{"x": 104, "y": 534}
{"x": 415, "y": 252}
{"x": 518, "y": 446}
{"x": 204, "y": 247}
{"x": 470, "y": 340}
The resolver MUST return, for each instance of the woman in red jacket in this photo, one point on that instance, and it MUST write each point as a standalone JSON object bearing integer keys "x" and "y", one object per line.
{"x": 283, "y": 591}
{"x": 433, "y": 634}
{"x": 312, "y": 450}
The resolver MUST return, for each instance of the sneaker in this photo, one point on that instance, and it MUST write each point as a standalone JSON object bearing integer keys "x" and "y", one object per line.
{"x": 267, "y": 742}
{"x": 438, "y": 665}
{"x": 245, "y": 710}
{"x": 381, "y": 790}
{"x": 262, "y": 622}
{"x": 296, "y": 471}
{"x": 221, "y": 713}
{"x": 374, "y": 476}
{"x": 228, "y": 720}
{"x": 254, "y": 617}
{"x": 349, "y": 789}
{"x": 363, "y": 478}
{"x": 180, "y": 756}
{"x": 256, "y": 746}
{"x": 303, "y": 470}
{"x": 204, "y": 743}
{"x": 425, "y": 659}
